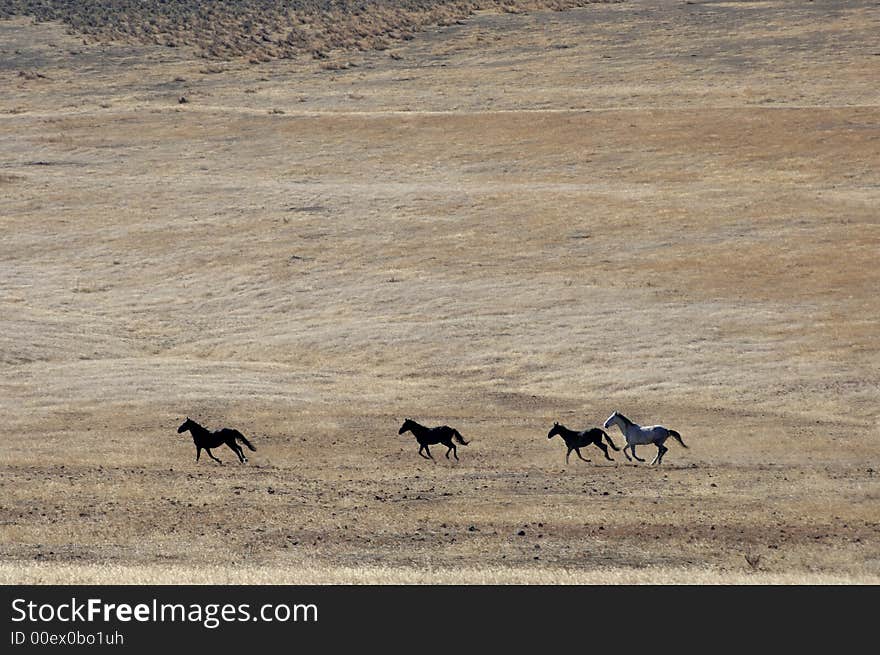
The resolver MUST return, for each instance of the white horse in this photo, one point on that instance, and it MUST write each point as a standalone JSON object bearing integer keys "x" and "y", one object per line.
{"x": 636, "y": 435}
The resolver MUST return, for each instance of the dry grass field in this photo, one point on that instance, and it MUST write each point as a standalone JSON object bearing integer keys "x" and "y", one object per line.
{"x": 262, "y": 30}
{"x": 661, "y": 207}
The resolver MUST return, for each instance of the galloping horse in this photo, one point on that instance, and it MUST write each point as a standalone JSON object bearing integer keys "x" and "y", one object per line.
{"x": 577, "y": 440}
{"x": 428, "y": 436}
{"x": 636, "y": 435}
{"x": 204, "y": 438}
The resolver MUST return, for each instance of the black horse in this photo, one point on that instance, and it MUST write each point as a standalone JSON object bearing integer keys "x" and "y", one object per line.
{"x": 207, "y": 439}
{"x": 577, "y": 440}
{"x": 428, "y": 436}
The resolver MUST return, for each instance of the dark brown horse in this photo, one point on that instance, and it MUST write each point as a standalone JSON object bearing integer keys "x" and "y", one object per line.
{"x": 577, "y": 440}
{"x": 427, "y": 436}
{"x": 207, "y": 439}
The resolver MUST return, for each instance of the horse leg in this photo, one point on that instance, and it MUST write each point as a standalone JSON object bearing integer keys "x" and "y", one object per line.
{"x": 628, "y": 458}
{"x": 211, "y": 455}
{"x": 604, "y": 449}
{"x": 451, "y": 447}
{"x": 632, "y": 449}
{"x": 237, "y": 450}
{"x": 578, "y": 451}
{"x": 661, "y": 450}
{"x": 428, "y": 450}
{"x": 421, "y": 454}
{"x": 198, "y": 452}
{"x": 455, "y": 452}
{"x": 567, "y": 454}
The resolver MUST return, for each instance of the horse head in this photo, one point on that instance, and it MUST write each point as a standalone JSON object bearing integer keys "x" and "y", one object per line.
{"x": 407, "y": 425}
{"x": 556, "y": 429}
{"x": 611, "y": 419}
{"x": 186, "y": 425}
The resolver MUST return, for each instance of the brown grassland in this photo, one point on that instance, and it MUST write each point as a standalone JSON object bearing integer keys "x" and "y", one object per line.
{"x": 262, "y": 30}
{"x": 666, "y": 208}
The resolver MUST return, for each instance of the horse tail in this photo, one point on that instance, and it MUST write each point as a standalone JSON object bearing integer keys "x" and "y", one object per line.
{"x": 677, "y": 436}
{"x": 242, "y": 439}
{"x": 459, "y": 438}
{"x": 608, "y": 439}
